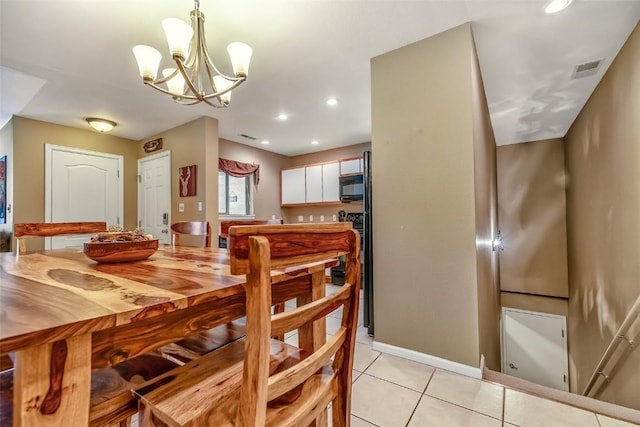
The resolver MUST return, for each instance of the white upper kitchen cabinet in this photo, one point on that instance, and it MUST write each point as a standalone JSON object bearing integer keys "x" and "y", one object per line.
{"x": 293, "y": 186}
{"x": 350, "y": 166}
{"x": 331, "y": 182}
{"x": 314, "y": 183}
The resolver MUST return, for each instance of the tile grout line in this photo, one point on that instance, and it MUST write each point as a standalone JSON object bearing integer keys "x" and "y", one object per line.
{"x": 391, "y": 382}
{"x": 460, "y": 406}
{"x": 504, "y": 403}
{"x": 366, "y": 421}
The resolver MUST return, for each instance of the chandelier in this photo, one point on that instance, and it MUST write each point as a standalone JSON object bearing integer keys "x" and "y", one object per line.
{"x": 196, "y": 78}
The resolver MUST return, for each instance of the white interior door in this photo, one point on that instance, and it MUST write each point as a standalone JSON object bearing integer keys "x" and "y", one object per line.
{"x": 154, "y": 195}
{"x": 534, "y": 347}
{"x": 81, "y": 186}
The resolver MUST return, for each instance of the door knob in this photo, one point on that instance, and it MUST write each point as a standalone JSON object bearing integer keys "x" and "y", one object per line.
{"x": 165, "y": 231}
{"x": 512, "y": 366}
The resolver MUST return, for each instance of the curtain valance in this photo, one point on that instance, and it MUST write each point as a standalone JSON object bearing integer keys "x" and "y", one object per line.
{"x": 239, "y": 169}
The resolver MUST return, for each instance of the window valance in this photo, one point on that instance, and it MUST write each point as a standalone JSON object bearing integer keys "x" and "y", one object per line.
{"x": 239, "y": 169}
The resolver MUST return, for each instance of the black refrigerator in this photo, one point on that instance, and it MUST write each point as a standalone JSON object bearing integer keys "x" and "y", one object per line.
{"x": 367, "y": 263}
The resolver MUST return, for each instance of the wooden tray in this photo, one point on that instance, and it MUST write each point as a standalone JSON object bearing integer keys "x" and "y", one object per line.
{"x": 134, "y": 250}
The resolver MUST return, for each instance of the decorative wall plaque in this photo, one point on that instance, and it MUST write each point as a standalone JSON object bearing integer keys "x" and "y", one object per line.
{"x": 153, "y": 145}
{"x": 187, "y": 177}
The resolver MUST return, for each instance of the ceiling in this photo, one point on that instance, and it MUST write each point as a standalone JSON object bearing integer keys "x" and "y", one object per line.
{"x": 63, "y": 61}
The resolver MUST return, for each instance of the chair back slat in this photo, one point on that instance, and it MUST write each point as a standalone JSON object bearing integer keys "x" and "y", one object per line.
{"x": 191, "y": 228}
{"x": 51, "y": 229}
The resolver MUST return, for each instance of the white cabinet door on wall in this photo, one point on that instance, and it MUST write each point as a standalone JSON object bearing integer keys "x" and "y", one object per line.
{"x": 314, "y": 183}
{"x": 330, "y": 182}
{"x": 293, "y": 186}
{"x": 350, "y": 166}
{"x": 534, "y": 347}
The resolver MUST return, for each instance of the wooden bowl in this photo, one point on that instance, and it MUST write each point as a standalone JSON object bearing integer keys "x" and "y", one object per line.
{"x": 134, "y": 250}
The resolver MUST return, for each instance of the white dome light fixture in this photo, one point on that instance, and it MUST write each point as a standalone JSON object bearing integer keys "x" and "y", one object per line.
{"x": 101, "y": 125}
{"x": 196, "y": 79}
{"x": 555, "y": 6}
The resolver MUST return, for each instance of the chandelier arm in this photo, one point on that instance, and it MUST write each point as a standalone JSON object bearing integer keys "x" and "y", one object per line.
{"x": 222, "y": 92}
{"x": 162, "y": 79}
{"x": 207, "y": 59}
{"x": 191, "y": 86}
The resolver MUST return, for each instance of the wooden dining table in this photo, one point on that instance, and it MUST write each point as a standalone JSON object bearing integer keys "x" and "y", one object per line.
{"x": 63, "y": 315}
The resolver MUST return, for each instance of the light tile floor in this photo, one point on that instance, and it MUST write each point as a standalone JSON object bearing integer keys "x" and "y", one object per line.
{"x": 390, "y": 391}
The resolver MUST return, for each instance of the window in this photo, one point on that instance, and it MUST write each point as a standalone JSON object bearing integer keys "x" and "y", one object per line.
{"x": 234, "y": 195}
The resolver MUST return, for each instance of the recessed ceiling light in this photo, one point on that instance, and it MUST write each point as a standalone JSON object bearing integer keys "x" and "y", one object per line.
{"x": 282, "y": 116}
{"x": 557, "y": 5}
{"x": 265, "y": 142}
{"x": 332, "y": 101}
{"x": 314, "y": 142}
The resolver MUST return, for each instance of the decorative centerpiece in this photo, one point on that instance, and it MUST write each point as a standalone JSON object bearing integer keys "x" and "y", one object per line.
{"x": 116, "y": 245}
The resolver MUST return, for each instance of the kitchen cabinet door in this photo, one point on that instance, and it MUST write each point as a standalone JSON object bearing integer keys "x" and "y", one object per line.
{"x": 351, "y": 166}
{"x": 293, "y": 186}
{"x": 314, "y": 183}
{"x": 331, "y": 182}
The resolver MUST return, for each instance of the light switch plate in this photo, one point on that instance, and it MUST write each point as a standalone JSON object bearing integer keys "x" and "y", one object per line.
{"x": 321, "y": 218}
{"x": 199, "y": 206}
{"x": 300, "y": 218}
{"x": 310, "y": 218}
{"x": 181, "y": 207}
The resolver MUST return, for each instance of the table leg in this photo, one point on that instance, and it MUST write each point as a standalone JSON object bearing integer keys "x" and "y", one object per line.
{"x": 52, "y": 384}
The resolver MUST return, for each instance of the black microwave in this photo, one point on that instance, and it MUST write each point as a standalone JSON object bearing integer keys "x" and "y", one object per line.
{"x": 351, "y": 188}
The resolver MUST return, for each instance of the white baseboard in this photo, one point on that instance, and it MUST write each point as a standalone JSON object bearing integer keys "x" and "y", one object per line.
{"x": 428, "y": 359}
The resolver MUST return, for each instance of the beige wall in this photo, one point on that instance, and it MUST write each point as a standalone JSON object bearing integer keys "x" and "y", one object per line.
{"x": 486, "y": 207}
{"x": 29, "y": 139}
{"x": 532, "y": 212}
{"x": 194, "y": 143}
{"x": 603, "y": 222}
{"x": 266, "y": 200}
{"x": 424, "y": 197}
{"x": 551, "y": 305}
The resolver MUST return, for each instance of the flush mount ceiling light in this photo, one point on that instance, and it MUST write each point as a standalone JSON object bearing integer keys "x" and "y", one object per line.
{"x": 332, "y": 101}
{"x": 555, "y": 6}
{"x": 196, "y": 79}
{"x": 101, "y": 125}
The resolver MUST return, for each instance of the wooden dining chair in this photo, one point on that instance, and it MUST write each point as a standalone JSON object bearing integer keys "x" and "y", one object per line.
{"x": 260, "y": 381}
{"x": 204, "y": 342}
{"x": 22, "y": 231}
{"x": 191, "y": 228}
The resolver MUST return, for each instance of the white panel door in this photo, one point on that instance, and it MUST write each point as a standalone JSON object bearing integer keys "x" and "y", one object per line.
{"x": 154, "y": 195}
{"x": 534, "y": 347}
{"x": 81, "y": 186}
{"x": 331, "y": 182}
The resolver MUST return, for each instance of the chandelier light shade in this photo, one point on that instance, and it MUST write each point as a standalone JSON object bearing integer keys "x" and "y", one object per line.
{"x": 195, "y": 79}
{"x": 101, "y": 125}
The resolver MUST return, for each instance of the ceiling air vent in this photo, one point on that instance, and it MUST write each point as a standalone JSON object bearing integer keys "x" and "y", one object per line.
{"x": 586, "y": 69}
{"x": 244, "y": 135}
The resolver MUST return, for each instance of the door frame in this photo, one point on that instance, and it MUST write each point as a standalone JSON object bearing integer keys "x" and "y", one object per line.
{"x": 153, "y": 157}
{"x": 565, "y": 351}
{"x": 49, "y": 149}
